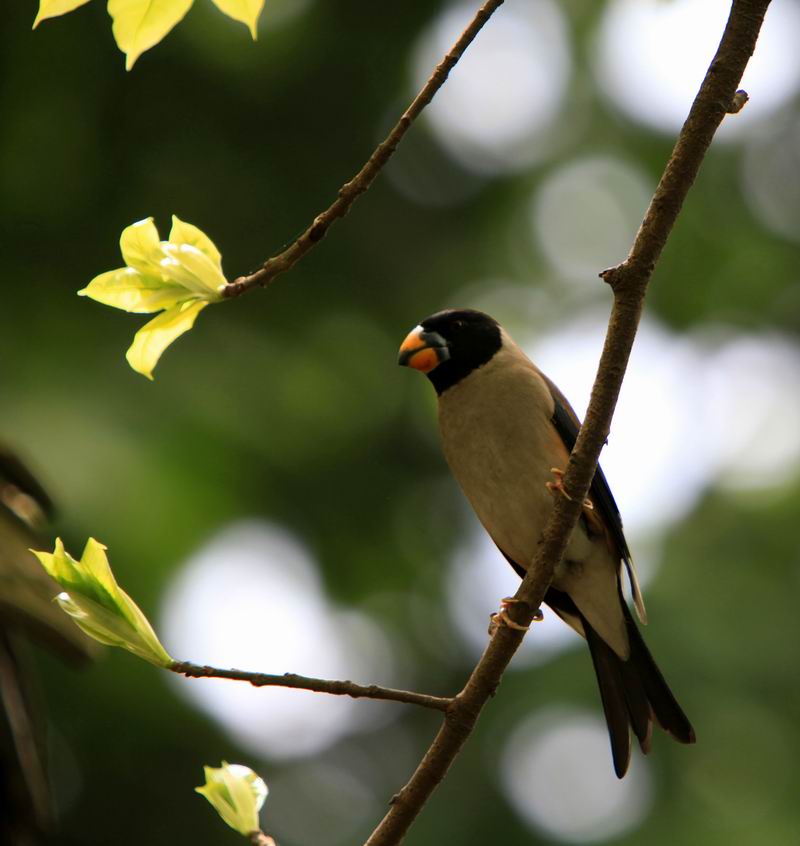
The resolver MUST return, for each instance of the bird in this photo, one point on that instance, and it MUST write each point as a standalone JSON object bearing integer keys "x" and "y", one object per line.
{"x": 506, "y": 433}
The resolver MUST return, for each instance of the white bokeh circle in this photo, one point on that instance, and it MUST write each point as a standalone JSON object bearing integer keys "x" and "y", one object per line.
{"x": 651, "y": 57}
{"x": 771, "y": 176}
{"x": 752, "y": 392}
{"x": 656, "y": 459}
{"x": 478, "y": 577}
{"x": 251, "y": 598}
{"x": 505, "y": 91}
{"x": 557, "y": 772}
{"x": 586, "y": 214}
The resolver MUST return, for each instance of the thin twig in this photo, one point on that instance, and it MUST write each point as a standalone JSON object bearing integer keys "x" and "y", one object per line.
{"x": 351, "y": 190}
{"x": 332, "y": 686}
{"x": 629, "y": 283}
{"x": 258, "y": 838}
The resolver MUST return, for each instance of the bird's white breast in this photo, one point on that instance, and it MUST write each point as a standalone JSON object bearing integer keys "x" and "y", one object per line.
{"x": 500, "y": 443}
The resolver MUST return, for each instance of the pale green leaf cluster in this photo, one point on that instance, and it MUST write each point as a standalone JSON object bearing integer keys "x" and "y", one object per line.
{"x": 139, "y": 25}
{"x": 178, "y": 277}
{"x": 236, "y": 793}
{"x": 98, "y": 605}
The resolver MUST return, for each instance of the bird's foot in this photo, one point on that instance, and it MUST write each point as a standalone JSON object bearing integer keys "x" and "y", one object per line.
{"x": 502, "y": 618}
{"x": 558, "y": 487}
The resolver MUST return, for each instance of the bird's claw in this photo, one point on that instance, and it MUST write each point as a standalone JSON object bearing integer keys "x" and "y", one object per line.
{"x": 502, "y": 618}
{"x": 558, "y": 487}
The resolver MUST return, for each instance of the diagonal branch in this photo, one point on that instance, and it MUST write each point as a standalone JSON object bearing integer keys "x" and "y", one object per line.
{"x": 353, "y": 189}
{"x": 337, "y": 688}
{"x": 629, "y": 283}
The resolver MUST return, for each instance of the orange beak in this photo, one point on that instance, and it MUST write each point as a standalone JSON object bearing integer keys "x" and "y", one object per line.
{"x": 423, "y": 350}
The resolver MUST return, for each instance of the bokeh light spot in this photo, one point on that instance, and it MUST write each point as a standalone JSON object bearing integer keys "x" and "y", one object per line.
{"x": 752, "y": 391}
{"x": 771, "y": 177}
{"x": 586, "y": 214}
{"x": 251, "y": 599}
{"x": 340, "y": 802}
{"x": 656, "y": 460}
{"x": 652, "y": 57}
{"x": 557, "y": 772}
{"x": 506, "y": 90}
{"x": 478, "y": 578}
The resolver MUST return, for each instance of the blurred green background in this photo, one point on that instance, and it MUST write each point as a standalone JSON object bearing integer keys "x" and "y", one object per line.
{"x": 276, "y": 499}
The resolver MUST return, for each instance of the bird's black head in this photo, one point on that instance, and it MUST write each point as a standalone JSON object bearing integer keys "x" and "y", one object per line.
{"x": 449, "y": 345}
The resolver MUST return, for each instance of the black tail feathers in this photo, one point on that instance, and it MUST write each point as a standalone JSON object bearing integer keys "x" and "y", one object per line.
{"x": 634, "y": 693}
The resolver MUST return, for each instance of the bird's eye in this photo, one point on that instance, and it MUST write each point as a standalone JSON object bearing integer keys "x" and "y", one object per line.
{"x": 459, "y": 324}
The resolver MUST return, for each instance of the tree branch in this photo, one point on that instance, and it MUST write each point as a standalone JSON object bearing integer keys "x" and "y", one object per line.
{"x": 629, "y": 283}
{"x": 336, "y": 688}
{"x": 351, "y": 190}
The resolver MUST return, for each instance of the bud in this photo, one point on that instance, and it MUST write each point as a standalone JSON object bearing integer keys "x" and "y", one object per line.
{"x": 237, "y": 795}
{"x": 98, "y": 605}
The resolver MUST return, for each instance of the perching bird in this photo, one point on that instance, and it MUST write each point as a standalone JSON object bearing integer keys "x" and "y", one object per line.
{"x": 505, "y": 427}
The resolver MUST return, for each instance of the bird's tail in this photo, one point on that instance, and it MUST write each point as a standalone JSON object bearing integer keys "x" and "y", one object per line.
{"x": 634, "y": 693}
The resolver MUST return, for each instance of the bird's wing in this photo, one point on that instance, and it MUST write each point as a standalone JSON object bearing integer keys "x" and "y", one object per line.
{"x": 567, "y": 425}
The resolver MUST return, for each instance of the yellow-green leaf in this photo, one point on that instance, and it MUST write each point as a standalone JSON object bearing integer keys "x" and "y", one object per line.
{"x": 185, "y": 265}
{"x": 246, "y": 11}
{"x": 59, "y": 565}
{"x": 140, "y": 24}
{"x": 186, "y": 233}
{"x": 133, "y": 291}
{"x": 91, "y": 576}
{"x": 141, "y": 247}
{"x": 154, "y": 337}
{"x": 54, "y": 8}
{"x": 96, "y": 567}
